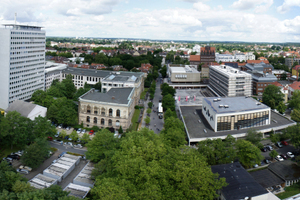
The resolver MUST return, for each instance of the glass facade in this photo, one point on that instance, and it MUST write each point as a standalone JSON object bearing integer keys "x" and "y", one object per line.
{"x": 236, "y": 122}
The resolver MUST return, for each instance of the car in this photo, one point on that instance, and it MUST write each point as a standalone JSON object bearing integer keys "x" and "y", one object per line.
{"x": 50, "y": 138}
{"x": 255, "y": 166}
{"x": 269, "y": 147}
{"x": 58, "y": 140}
{"x": 23, "y": 171}
{"x": 290, "y": 155}
{"x": 279, "y": 158}
{"x": 79, "y": 130}
{"x": 264, "y": 149}
{"x": 67, "y": 137}
{"x": 83, "y": 131}
{"x": 91, "y": 132}
{"x": 57, "y": 134}
{"x": 50, "y": 152}
{"x": 70, "y": 139}
{"x": 59, "y": 126}
{"x": 267, "y": 161}
{"x": 78, "y": 146}
{"x": 283, "y": 156}
{"x": 70, "y": 143}
{"x": 279, "y": 144}
{"x": 68, "y": 128}
{"x": 25, "y": 167}
{"x": 54, "y": 161}
{"x": 8, "y": 159}
{"x": 14, "y": 156}
{"x": 63, "y": 153}
{"x": 284, "y": 143}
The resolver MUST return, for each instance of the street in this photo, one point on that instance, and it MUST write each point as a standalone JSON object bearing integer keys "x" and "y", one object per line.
{"x": 61, "y": 148}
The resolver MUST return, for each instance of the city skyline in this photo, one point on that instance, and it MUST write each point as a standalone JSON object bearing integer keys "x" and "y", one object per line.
{"x": 195, "y": 20}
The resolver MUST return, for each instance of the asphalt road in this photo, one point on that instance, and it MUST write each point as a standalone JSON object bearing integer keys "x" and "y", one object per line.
{"x": 155, "y": 122}
{"x": 61, "y": 148}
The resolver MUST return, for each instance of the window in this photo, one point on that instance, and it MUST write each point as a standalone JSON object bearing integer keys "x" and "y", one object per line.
{"x": 109, "y": 122}
{"x": 88, "y": 109}
{"x": 110, "y": 112}
{"x": 118, "y": 114}
{"x": 87, "y": 119}
{"x": 102, "y": 121}
{"x": 117, "y": 123}
{"x": 95, "y": 120}
{"x": 103, "y": 111}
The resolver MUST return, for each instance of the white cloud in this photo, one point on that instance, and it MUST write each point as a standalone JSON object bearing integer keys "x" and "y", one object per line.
{"x": 201, "y": 6}
{"x": 287, "y": 4}
{"x": 259, "y": 6}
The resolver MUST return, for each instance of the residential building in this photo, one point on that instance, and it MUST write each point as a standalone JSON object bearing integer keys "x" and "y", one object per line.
{"x": 196, "y": 48}
{"x": 53, "y": 71}
{"x": 284, "y": 89}
{"x": 281, "y": 74}
{"x": 145, "y": 67}
{"x": 207, "y": 55}
{"x": 249, "y": 56}
{"x": 293, "y": 87}
{"x": 22, "y": 56}
{"x": 295, "y": 71}
{"x": 26, "y": 109}
{"x": 228, "y": 81}
{"x": 260, "y": 81}
{"x": 290, "y": 61}
{"x": 241, "y": 185}
{"x": 195, "y": 60}
{"x": 112, "y": 109}
{"x": 240, "y": 56}
{"x": 183, "y": 74}
{"x": 261, "y": 67}
{"x": 225, "y": 58}
{"x": 235, "y": 113}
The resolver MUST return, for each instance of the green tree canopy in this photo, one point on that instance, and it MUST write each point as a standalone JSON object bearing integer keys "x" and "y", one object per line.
{"x": 168, "y": 102}
{"x": 272, "y": 96}
{"x": 294, "y": 102}
{"x": 254, "y": 137}
{"x": 248, "y": 153}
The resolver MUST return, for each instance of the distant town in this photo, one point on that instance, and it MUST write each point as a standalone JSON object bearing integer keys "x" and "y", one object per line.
{"x": 143, "y": 119}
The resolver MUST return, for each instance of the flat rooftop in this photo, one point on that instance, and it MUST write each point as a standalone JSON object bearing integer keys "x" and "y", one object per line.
{"x": 235, "y": 104}
{"x": 114, "y": 95}
{"x": 85, "y": 175}
{"x": 185, "y": 69}
{"x": 266, "y": 178}
{"x": 195, "y": 128}
{"x": 77, "y": 190}
{"x": 41, "y": 181}
{"x": 229, "y": 71}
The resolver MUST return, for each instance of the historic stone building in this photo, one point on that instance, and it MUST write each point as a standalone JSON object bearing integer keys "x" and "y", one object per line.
{"x": 112, "y": 109}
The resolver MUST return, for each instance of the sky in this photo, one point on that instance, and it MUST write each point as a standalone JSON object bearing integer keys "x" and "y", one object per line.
{"x": 194, "y": 20}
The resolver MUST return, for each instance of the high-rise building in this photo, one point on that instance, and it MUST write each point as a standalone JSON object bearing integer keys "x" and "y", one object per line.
{"x": 230, "y": 82}
{"x": 22, "y": 55}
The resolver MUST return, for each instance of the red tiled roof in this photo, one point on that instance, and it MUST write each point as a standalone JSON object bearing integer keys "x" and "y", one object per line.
{"x": 295, "y": 85}
{"x": 195, "y": 58}
{"x": 262, "y": 58}
{"x": 257, "y": 61}
{"x": 296, "y": 67}
{"x": 276, "y": 84}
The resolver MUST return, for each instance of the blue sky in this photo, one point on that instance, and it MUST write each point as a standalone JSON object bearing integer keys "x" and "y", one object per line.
{"x": 198, "y": 20}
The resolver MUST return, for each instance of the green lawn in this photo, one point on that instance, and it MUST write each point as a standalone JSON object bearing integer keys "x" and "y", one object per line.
{"x": 143, "y": 94}
{"x": 290, "y": 191}
{"x": 134, "y": 119}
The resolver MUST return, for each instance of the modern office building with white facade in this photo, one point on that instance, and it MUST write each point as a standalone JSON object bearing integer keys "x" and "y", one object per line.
{"x": 234, "y": 113}
{"x": 230, "y": 82}
{"x": 53, "y": 71}
{"x": 22, "y": 55}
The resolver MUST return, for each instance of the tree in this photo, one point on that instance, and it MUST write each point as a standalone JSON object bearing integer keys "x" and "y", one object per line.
{"x": 85, "y": 137}
{"x": 102, "y": 145}
{"x": 98, "y": 86}
{"x": 77, "y": 60}
{"x": 170, "y": 113}
{"x": 273, "y": 154}
{"x": 147, "y": 120}
{"x": 120, "y": 130}
{"x": 70, "y": 88}
{"x": 166, "y": 89}
{"x": 248, "y": 153}
{"x": 150, "y": 104}
{"x": 35, "y": 154}
{"x": 74, "y": 135}
{"x": 163, "y": 71}
{"x": 272, "y": 96}
{"x": 283, "y": 76}
{"x": 275, "y": 137}
{"x": 63, "y": 134}
{"x": 294, "y": 102}
{"x": 173, "y": 133}
{"x": 293, "y": 132}
{"x": 254, "y": 137}
{"x": 8, "y": 176}
{"x": 168, "y": 102}
{"x": 42, "y": 128}
{"x": 281, "y": 107}
{"x": 149, "y": 111}
{"x": 295, "y": 115}
{"x": 145, "y": 166}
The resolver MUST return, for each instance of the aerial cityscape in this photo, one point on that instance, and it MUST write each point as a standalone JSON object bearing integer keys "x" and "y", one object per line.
{"x": 127, "y": 99}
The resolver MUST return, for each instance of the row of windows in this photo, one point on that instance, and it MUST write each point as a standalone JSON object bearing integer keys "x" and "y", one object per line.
{"x": 24, "y": 66}
{"x": 24, "y": 57}
{"x": 27, "y": 43}
{"x": 102, "y": 121}
{"x": 20, "y": 52}
{"x": 96, "y": 110}
{"x": 27, "y": 47}
{"x": 27, "y": 33}
{"x": 26, "y": 38}
{"x": 27, "y": 79}
{"x": 28, "y": 92}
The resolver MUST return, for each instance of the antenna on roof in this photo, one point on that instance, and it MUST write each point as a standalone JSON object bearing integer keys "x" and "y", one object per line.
{"x": 15, "y": 18}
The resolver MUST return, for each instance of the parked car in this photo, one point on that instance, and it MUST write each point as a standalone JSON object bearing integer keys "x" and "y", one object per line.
{"x": 23, "y": 171}
{"x": 68, "y": 128}
{"x": 59, "y": 126}
{"x": 78, "y": 146}
{"x": 57, "y": 134}
{"x": 50, "y": 138}
{"x": 83, "y": 131}
{"x": 70, "y": 143}
{"x": 264, "y": 149}
{"x": 284, "y": 143}
{"x": 70, "y": 139}
{"x": 67, "y": 137}
{"x": 283, "y": 156}
{"x": 267, "y": 161}
{"x": 79, "y": 130}
{"x": 290, "y": 155}
{"x": 279, "y": 158}
{"x": 63, "y": 153}
{"x": 279, "y": 144}
{"x": 255, "y": 166}
{"x": 269, "y": 147}
{"x": 14, "y": 156}
{"x": 54, "y": 161}
{"x": 25, "y": 167}
{"x": 8, "y": 159}
{"x": 91, "y": 132}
